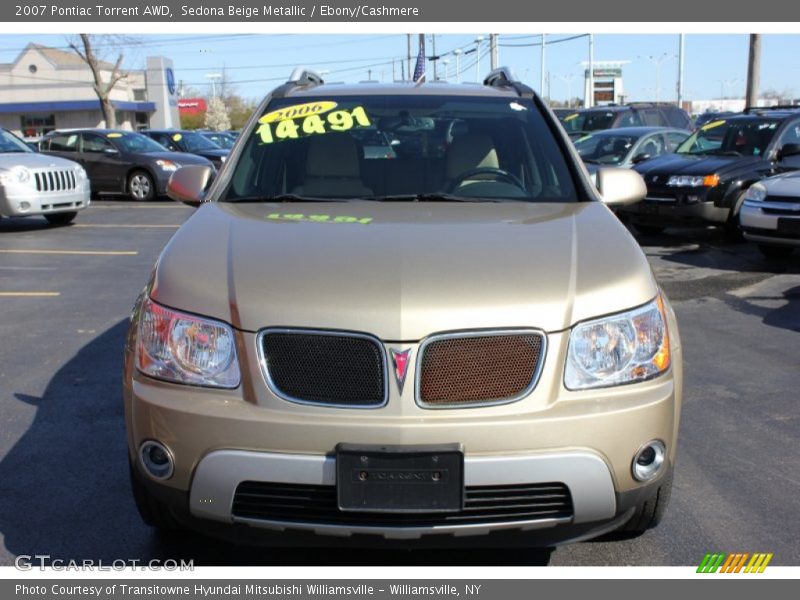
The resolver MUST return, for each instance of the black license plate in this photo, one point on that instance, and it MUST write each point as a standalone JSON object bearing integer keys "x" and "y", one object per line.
{"x": 400, "y": 479}
{"x": 791, "y": 226}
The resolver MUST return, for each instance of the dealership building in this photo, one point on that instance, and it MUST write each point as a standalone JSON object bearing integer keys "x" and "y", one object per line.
{"x": 47, "y": 88}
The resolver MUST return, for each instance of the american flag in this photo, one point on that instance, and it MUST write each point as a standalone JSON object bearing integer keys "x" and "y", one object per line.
{"x": 419, "y": 69}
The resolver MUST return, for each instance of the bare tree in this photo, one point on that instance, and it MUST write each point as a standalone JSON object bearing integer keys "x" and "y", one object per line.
{"x": 102, "y": 88}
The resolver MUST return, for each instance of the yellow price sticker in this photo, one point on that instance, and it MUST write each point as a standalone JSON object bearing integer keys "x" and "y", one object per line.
{"x": 298, "y": 111}
{"x": 313, "y": 124}
{"x": 571, "y": 117}
{"x": 711, "y": 125}
{"x": 177, "y": 137}
{"x": 114, "y": 135}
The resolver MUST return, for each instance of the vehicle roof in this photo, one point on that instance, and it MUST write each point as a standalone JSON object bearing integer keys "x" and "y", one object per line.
{"x": 756, "y": 113}
{"x": 638, "y": 131}
{"x": 89, "y": 129}
{"x": 402, "y": 88}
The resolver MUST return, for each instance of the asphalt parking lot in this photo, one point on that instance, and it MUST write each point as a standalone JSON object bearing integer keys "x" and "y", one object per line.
{"x": 65, "y": 296}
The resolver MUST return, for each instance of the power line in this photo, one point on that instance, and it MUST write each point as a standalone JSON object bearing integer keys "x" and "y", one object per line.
{"x": 549, "y": 42}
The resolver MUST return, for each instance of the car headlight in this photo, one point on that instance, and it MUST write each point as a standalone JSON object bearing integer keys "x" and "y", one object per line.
{"x": 167, "y": 165}
{"x": 623, "y": 348}
{"x": 756, "y": 193}
{"x": 693, "y": 180}
{"x": 185, "y": 349}
{"x": 80, "y": 173}
{"x": 15, "y": 175}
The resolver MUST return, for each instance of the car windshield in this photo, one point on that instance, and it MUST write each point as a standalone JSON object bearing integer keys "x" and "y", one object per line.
{"x": 195, "y": 142}
{"x": 591, "y": 120}
{"x": 605, "y": 148}
{"x": 735, "y": 137}
{"x": 401, "y": 147}
{"x": 220, "y": 139}
{"x": 135, "y": 142}
{"x": 11, "y": 143}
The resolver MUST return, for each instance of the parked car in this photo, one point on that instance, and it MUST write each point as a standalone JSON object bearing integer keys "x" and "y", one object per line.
{"x": 223, "y": 139}
{"x": 711, "y": 115}
{"x": 32, "y": 184}
{"x": 192, "y": 142}
{"x": 771, "y": 214}
{"x": 638, "y": 114}
{"x": 320, "y": 352}
{"x": 706, "y": 180}
{"x": 118, "y": 161}
{"x": 627, "y": 146}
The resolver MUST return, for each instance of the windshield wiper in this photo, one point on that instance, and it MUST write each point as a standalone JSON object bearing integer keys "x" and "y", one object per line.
{"x": 288, "y": 198}
{"x": 429, "y": 198}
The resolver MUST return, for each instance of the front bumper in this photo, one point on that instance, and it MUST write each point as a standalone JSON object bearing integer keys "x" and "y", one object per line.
{"x": 675, "y": 208}
{"x": 759, "y": 222}
{"x": 24, "y": 200}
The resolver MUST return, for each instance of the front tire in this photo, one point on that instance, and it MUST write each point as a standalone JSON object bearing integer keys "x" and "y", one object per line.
{"x": 733, "y": 232}
{"x": 770, "y": 251}
{"x": 64, "y": 218}
{"x": 140, "y": 186}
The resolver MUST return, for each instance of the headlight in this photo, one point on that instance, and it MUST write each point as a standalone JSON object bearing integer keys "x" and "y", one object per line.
{"x": 622, "y": 348}
{"x": 693, "y": 180}
{"x": 185, "y": 349}
{"x": 167, "y": 165}
{"x": 80, "y": 173}
{"x": 15, "y": 175}
{"x": 756, "y": 193}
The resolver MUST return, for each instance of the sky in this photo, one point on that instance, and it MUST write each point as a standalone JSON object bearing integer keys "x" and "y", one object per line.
{"x": 715, "y": 64}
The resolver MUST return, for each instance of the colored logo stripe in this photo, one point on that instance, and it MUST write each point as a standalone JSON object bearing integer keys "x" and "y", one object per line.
{"x": 733, "y": 563}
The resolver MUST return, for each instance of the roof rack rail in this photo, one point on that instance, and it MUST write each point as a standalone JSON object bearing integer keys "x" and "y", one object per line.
{"x": 749, "y": 109}
{"x": 303, "y": 76}
{"x": 501, "y": 77}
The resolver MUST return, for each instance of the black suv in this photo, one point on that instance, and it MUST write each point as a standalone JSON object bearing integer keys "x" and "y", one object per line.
{"x": 637, "y": 114}
{"x": 185, "y": 140}
{"x": 118, "y": 161}
{"x": 707, "y": 178}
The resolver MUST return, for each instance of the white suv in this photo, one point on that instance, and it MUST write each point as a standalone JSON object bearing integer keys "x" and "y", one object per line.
{"x": 771, "y": 215}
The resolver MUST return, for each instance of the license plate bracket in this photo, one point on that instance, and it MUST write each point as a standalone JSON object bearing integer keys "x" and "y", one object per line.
{"x": 791, "y": 226}
{"x": 400, "y": 479}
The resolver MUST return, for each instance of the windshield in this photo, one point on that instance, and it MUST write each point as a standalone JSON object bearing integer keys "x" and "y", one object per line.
{"x": 737, "y": 137}
{"x": 605, "y": 148}
{"x": 194, "y": 142}
{"x": 11, "y": 143}
{"x": 401, "y": 147}
{"x": 220, "y": 139}
{"x": 135, "y": 142}
{"x": 591, "y": 120}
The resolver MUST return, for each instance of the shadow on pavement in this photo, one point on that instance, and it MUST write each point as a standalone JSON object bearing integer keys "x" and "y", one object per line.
{"x": 64, "y": 489}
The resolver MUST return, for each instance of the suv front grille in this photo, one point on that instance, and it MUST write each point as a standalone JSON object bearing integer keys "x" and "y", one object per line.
{"x": 301, "y": 503}
{"x": 479, "y": 369}
{"x": 337, "y": 369}
{"x": 61, "y": 180}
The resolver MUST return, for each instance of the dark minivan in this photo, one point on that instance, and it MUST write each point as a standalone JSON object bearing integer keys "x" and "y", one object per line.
{"x": 637, "y": 114}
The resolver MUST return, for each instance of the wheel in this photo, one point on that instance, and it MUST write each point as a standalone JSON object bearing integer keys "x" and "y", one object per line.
{"x": 64, "y": 218}
{"x": 775, "y": 251}
{"x": 140, "y": 186}
{"x": 153, "y": 512}
{"x": 733, "y": 233}
{"x": 649, "y": 229}
{"x": 650, "y": 512}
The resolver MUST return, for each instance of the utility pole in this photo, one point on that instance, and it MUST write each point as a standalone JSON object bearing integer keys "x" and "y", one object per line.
{"x": 435, "y": 58}
{"x": 394, "y": 74}
{"x": 478, "y": 41}
{"x": 408, "y": 55}
{"x": 588, "y": 101}
{"x": 494, "y": 54}
{"x": 753, "y": 70}
{"x": 680, "y": 70}
{"x": 542, "y": 68}
{"x": 457, "y": 52}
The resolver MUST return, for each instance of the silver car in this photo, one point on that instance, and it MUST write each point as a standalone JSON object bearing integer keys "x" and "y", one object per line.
{"x": 771, "y": 215}
{"x": 33, "y": 184}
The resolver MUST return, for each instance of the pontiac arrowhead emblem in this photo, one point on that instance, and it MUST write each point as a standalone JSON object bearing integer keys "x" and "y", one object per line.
{"x": 400, "y": 361}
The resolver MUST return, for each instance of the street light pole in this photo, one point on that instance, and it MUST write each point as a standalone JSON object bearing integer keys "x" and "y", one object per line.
{"x": 680, "y": 70}
{"x": 478, "y": 41}
{"x": 589, "y": 100}
{"x": 542, "y": 67}
{"x": 457, "y": 52}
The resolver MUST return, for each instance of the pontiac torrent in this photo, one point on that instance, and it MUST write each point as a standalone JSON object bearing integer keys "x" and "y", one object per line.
{"x": 455, "y": 342}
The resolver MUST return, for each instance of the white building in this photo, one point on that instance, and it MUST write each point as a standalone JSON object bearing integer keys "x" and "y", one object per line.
{"x": 47, "y": 88}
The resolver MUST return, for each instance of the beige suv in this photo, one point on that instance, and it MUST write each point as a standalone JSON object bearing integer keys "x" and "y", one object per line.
{"x": 454, "y": 340}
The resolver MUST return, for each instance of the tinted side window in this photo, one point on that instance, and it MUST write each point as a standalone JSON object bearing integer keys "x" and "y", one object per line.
{"x": 652, "y": 117}
{"x": 791, "y": 135}
{"x": 676, "y": 118}
{"x": 675, "y": 139}
{"x": 95, "y": 143}
{"x": 630, "y": 119}
{"x": 67, "y": 142}
{"x": 165, "y": 141}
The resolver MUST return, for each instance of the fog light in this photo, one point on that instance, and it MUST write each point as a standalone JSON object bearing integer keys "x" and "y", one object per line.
{"x": 156, "y": 459}
{"x": 648, "y": 460}
{"x": 23, "y": 206}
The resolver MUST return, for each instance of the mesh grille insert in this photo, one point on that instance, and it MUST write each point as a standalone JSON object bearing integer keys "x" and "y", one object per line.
{"x": 326, "y": 368}
{"x": 289, "y": 502}
{"x": 489, "y": 368}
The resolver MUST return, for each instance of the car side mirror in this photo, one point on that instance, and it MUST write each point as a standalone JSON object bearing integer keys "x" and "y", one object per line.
{"x": 110, "y": 151}
{"x": 641, "y": 157}
{"x": 788, "y": 150}
{"x": 620, "y": 186}
{"x": 188, "y": 184}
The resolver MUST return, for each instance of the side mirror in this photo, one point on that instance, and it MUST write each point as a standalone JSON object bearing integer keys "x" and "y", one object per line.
{"x": 640, "y": 158}
{"x": 110, "y": 151}
{"x": 788, "y": 150}
{"x": 620, "y": 186}
{"x": 188, "y": 184}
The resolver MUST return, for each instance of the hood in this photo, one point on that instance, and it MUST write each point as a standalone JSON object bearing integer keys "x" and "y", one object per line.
{"x": 787, "y": 184}
{"x": 213, "y": 153}
{"x": 402, "y": 271}
{"x": 180, "y": 158}
{"x": 686, "y": 164}
{"x": 33, "y": 160}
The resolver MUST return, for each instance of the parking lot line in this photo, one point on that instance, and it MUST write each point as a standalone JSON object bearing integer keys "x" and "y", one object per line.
{"x": 126, "y": 226}
{"x": 81, "y": 252}
{"x": 29, "y": 294}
